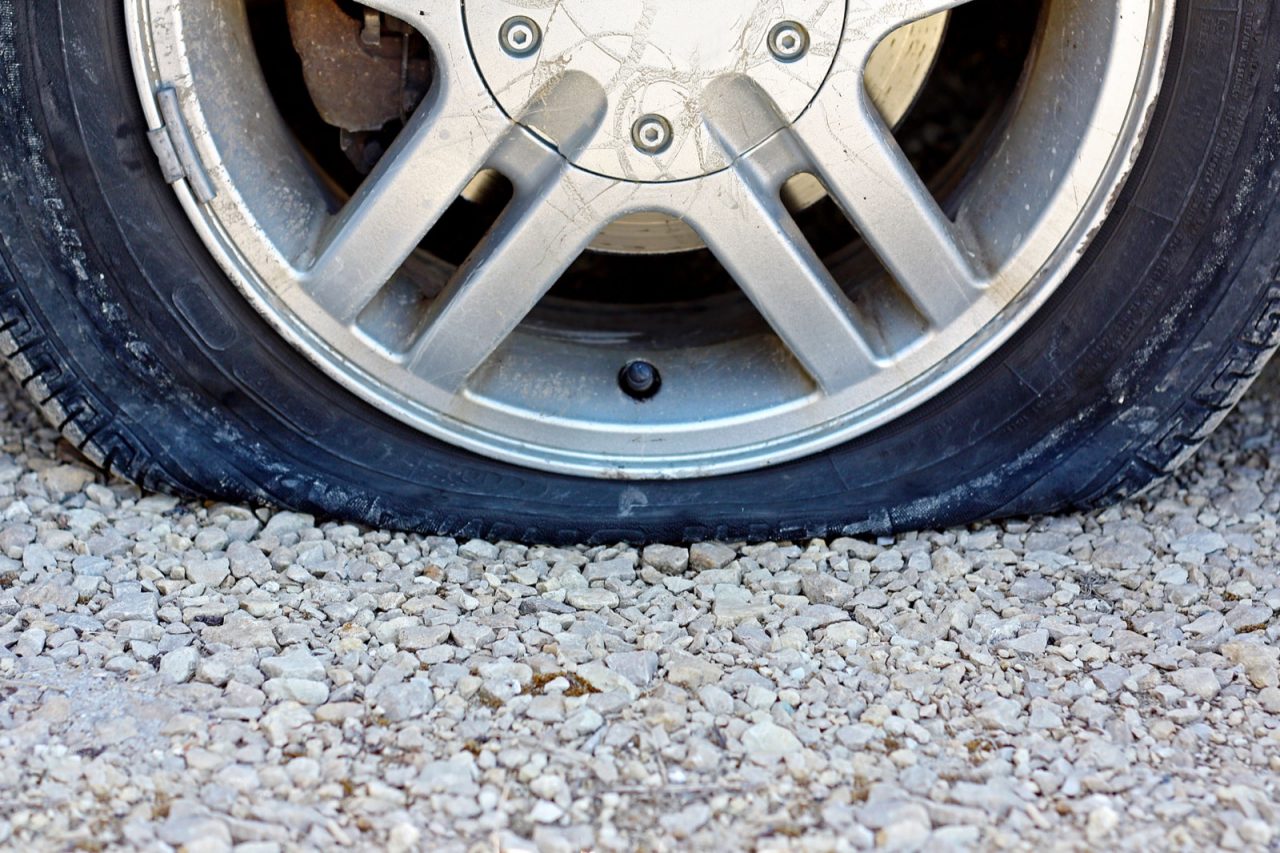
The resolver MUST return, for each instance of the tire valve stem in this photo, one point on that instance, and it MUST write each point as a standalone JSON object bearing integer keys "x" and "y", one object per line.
{"x": 640, "y": 380}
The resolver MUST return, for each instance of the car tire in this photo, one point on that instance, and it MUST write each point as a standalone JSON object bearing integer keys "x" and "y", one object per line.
{"x": 137, "y": 346}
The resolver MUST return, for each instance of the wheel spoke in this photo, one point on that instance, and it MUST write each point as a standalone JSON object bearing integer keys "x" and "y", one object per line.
{"x": 445, "y": 144}
{"x": 868, "y": 176}
{"x": 542, "y": 232}
{"x": 754, "y": 237}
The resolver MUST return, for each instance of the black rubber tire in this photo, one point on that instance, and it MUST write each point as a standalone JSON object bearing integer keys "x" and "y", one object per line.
{"x": 136, "y": 345}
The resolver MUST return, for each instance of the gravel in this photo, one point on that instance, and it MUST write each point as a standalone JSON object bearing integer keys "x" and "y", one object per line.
{"x": 181, "y": 674}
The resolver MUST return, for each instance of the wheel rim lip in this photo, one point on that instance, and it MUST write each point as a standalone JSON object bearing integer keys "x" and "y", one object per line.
{"x": 610, "y": 451}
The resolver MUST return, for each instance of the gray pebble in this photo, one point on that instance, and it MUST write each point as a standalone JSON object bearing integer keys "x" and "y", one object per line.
{"x": 179, "y": 665}
{"x": 669, "y": 559}
{"x": 710, "y": 555}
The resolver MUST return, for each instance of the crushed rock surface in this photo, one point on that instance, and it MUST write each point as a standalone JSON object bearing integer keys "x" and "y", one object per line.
{"x": 210, "y": 677}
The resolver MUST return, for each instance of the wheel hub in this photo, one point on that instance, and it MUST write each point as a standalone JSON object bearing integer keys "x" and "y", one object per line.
{"x": 655, "y": 60}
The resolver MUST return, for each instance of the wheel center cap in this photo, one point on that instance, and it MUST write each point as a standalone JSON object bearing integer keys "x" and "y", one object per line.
{"x": 654, "y": 61}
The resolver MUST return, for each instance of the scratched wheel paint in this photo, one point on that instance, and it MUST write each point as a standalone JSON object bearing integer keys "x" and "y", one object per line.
{"x": 581, "y": 269}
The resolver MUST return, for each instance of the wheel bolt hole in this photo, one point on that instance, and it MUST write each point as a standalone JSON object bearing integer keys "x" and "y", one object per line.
{"x": 640, "y": 380}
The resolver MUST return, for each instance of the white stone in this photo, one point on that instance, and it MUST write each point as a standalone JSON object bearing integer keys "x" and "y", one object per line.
{"x": 710, "y": 555}
{"x": 687, "y": 820}
{"x": 1258, "y": 661}
{"x": 767, "y": 740}
{"x": 640, "y": 668}
{"x": 209, "y": 572}
{"x": 715, "y": 699}
{"x": 408, "y": 701}
{"x": 821, "y": 588}
{"x": 130, "y": 606}
{"x": 901, "y": 836}
{"x": 295, "y": 663}
{"x": 668, "y": 559}
{"x": 1198, "y": 680}
{"x": 545, "y": 812}
{"x": 592, "y": 598}
{"x": 691, "y": 671}
{"x": 1033, "y": 643}
{"x": 478, "y": 549}
{"x": 300, "y": 690}
{"x": 179, "y": 665}
{"x": 1102, "y": 822}
{"x": 1254, "y": 831}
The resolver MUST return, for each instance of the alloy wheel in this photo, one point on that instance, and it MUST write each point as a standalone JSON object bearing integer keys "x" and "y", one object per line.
{"x": 624, "y": 126}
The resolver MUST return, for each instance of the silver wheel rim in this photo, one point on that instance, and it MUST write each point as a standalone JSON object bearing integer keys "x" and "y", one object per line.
{"x": 474, "y": 366}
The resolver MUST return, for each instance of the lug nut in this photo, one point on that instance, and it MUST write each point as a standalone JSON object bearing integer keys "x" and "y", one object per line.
{"x": 651, "y": 134}
{"x": 520, "y": 36}
{"x": 788, "y": 41}
{"x": 640, "y": 380}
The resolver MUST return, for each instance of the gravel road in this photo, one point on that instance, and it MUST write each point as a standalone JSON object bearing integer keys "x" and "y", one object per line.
{"x": 211, "y": 677}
